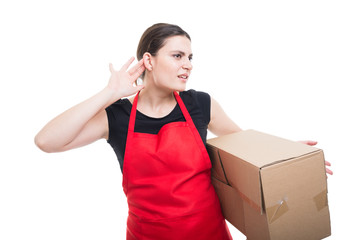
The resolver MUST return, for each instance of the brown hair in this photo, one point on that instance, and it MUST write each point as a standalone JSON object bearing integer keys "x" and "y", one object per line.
{"x": 154, "y": 38}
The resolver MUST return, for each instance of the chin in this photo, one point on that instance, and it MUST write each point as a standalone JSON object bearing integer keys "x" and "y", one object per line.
{"x": 180, "y": 89}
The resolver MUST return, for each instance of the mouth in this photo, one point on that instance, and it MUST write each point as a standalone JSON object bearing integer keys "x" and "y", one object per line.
{"x": 183, "y": 77}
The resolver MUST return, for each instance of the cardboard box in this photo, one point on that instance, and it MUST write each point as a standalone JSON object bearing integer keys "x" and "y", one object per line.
{"x": 269, "y": 187}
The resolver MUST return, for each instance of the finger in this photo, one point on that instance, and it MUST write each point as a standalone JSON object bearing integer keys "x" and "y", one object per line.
{"x": 138, "y": 72}
{"x": 111, "y": 68}
{"x": 327, "y": 163}
{"x": 127, "y": 64}
{"x": 136, "y": 67}
{"x": 309, "y": 142}
{"x": 328, "y": 171}
{"x": 139, "y": 87}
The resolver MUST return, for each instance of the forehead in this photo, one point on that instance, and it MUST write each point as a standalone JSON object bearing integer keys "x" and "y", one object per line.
{"x": 177, "y": 43}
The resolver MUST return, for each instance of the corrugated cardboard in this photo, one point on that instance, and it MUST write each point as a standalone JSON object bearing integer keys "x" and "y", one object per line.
{"x": 269, "y": 187}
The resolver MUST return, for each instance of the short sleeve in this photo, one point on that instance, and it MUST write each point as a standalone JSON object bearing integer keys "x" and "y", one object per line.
{"x": 204, "y": 103}
{"x": 118, "y": 120}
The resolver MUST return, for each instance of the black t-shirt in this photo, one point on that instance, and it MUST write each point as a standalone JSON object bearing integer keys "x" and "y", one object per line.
{"x": 118, "y": 114}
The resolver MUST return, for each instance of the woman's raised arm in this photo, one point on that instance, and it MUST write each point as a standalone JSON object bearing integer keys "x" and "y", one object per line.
{"x": 87, "y": 121}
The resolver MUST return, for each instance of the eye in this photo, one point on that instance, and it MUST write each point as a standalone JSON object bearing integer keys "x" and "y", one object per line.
{"x": 190, "y": 58}
{"x": 178, "y": 56}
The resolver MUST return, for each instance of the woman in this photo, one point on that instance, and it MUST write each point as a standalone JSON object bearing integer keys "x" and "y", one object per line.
{"x": 158, "y": 136}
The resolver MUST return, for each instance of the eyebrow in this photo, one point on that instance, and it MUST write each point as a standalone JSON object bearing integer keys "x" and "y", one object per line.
{"x": 182, "y": 53}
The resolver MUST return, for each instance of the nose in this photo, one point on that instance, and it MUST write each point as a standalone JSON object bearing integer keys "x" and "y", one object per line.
{"x": 187, "y": 64}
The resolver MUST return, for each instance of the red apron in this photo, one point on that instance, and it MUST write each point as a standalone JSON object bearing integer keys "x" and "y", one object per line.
{"x": 166, "y": 178}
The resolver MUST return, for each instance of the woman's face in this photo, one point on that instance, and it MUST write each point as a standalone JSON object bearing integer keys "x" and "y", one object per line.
{"x": 172, "y": 64}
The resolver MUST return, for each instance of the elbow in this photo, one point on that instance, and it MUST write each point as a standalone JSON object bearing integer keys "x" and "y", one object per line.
{"x": 43, "y": 144}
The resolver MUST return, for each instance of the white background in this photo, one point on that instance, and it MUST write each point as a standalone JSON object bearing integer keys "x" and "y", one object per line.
{"x": 288, "y": 68}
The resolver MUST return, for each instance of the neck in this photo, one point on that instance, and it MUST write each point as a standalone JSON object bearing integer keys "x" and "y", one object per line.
{"x": 154, "y": 94}
{"x": 154, "y": 97}
{"x": 154, "y": 101}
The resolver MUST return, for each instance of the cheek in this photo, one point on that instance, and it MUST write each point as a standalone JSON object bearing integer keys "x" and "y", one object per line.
{"x": 175, "y": 66}
{"x": 169, "y": 68}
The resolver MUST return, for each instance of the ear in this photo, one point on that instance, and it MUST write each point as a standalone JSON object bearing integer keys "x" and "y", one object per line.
{"x": 147, "y": 61}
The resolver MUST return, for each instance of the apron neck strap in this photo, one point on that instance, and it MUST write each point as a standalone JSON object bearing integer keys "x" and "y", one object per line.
{"x": 182, "y": 107}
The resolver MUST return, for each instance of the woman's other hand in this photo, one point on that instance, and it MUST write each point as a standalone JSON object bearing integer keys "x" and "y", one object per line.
{"x": 313, "y": 143}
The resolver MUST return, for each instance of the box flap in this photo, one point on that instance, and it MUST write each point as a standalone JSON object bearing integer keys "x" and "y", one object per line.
{"x": 295, "y": 194}
{"x": 217, "y": 170}
{"x": 244, "y": 177}
{"x": 231, "y": 204}
{"x": 273, "y": 149}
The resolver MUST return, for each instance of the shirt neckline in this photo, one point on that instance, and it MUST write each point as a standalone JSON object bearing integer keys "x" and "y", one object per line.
{"x": 142, "y": 115}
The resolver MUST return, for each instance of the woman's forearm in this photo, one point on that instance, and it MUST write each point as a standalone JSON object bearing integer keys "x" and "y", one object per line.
{"x": 64, "y": 128}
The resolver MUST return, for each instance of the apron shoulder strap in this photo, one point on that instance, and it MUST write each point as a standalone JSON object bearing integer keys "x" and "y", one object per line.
{"x": 131, "y": 127}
